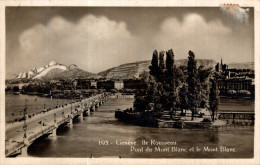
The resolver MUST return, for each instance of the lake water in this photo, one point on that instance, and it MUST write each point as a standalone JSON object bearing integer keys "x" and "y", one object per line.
{"x": 14, "y": 105}
{"x": 87, "y": 136}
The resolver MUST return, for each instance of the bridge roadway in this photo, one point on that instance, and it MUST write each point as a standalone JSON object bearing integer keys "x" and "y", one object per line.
{"x": 47, "y": 124}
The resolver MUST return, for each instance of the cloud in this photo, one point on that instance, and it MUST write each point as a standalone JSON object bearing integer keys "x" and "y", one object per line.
{"x": 98, "y": 43}
{"x": 93, "y": 43}
{"x": 207, "y": 39}
{"x": 235, "y": 12}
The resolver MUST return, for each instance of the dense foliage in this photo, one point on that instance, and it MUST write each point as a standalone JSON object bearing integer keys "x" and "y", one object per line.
{"x": 171, "y": 88}
{"x": 214, "y": 98}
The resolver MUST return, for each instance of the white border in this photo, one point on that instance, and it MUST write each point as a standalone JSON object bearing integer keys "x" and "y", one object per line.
{"x": 151, "y": 3}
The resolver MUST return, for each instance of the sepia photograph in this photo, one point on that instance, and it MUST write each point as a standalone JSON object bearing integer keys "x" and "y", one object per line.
{"x": 126, "y": 82}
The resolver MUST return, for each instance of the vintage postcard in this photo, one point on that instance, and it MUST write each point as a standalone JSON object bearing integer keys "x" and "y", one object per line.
{"x": 105, "y": 83}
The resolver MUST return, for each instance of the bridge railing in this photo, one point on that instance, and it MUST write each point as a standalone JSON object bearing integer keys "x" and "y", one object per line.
{"x": 235, "y": 116}
{"x": 14, "y": 148}
{"x": 40, "y": 133}
{"x": 63, "y": 120}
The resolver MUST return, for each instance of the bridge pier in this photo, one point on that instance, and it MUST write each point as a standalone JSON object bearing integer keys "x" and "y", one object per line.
{"x": 234, "y": 116}
{"x": 94, "y": 108}
{"x": 26, "y": 141}
{"x": 81, "y": 115}
{"x": 88, "y": 111}
{"x": 71, "y": 122}
{"x": 54, "y": 132}
{"x": 24, "y": 152}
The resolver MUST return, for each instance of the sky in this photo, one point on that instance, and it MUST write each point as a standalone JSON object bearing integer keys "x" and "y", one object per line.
{"x": 98, "y": 38}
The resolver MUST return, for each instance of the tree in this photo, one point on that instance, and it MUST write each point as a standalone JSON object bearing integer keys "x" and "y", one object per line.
{"x": 213, "y": 99}
{"x": 193, "y": 84}
{"x": 204, "y": 74}
{"x": 180, "y": 76}
{"x": 139, "y": 102}
{"x": 47, "y": 89}
{"x": 148, "y": 98}
{"x": 183, "y": 94}
{"x": 8, "y": 89}
{"x": 167, "y": 87}
{"x": 16, "y": 89}
{"x": 170, "y": 66}
{"x": 169, "y": 97}
{"x": 161, "y": 60}
{"x": 173, "y": 77}
{"x": 154, "y": 65}
{"x": 161, "y": 69}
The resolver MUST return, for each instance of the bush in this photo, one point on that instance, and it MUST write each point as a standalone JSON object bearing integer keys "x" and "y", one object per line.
{"x": 16, "y": 89}
{"x": 208, "y": 119}
{"x": 113, "y": 90}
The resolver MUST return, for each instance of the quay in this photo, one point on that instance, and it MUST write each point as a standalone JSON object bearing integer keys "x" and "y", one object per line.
{"x": 238, "y": 117}
{"x": 166, "y": 121}
{"x": 20, "y": 135}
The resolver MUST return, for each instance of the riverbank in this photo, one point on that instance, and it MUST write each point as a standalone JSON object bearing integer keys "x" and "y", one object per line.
{"x": 167, "y": 121}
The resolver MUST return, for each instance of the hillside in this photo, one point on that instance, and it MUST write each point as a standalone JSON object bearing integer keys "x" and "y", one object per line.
{"x": 133, "y": 70}
{"x": 72, "y": 73}
{"x": 246, "y": 65}
{"x": 129, "y": 70}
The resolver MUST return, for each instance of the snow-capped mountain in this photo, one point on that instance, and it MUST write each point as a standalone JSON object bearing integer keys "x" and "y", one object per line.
{"x": 40, "y": 72}
{"x": 56, "y": 71}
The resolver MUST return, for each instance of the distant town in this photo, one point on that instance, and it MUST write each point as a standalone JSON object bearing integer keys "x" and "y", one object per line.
{"x": 235, "y": 82}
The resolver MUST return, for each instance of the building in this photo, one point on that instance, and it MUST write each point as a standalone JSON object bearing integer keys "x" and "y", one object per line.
{"x": 84, "y": 84}
{"x": 235, "y": 81}
{"x": 93, "y": 84}
{"x": 119, "y": 85}
{"x": 133, "y": 84}
{"x": 19, "y": 85}
{"x": 109, "y": 84}
{"x": 224, "y": 85}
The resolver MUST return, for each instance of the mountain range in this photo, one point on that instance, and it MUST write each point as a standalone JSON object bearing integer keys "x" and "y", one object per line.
{"x": 55, "y": 71}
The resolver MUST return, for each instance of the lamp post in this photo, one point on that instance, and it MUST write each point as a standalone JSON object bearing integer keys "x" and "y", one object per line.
{"x": 81, "y": 105}
{"x": 54, "y": 117}
{"x": 41, "y": 122}
{"x": 25, "y": 124}
{"x": 63, "y": 114}
{"x": 71, "y": 107}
